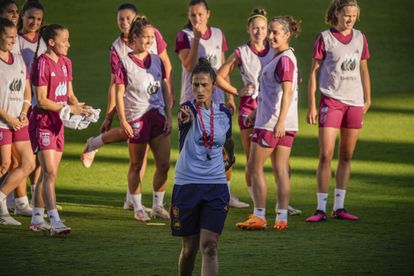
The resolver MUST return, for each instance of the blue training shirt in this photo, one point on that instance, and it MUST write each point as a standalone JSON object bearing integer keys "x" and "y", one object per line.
{"x": 193, "y": 166}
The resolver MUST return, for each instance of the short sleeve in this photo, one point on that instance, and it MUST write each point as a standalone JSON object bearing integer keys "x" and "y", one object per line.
{"x": 182, "y": 42}
{"x": 238, "y": 56}
{"x": 319, "y": 49}
{"x": 40, "y": 73}
{"x": 365, "y": 50}
{"x": 114, "y": 60}
{"x": 69, "y": 67}
{"x": 284, "y": 69}
{"x": 161, "y": 44}
{"x": 163, "y": 72}
{"x": 120, "y": 75}
{"x": 224, "y": 44}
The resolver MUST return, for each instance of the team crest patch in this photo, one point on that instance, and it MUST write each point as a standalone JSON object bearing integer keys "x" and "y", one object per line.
{"x": 45, "y": 139}
{"x": 177, "y": 225}
{"x": 153, "y": 87}
{"x": 324, "y": 111}
{"x": 176, "y": 212}
{"x": 136, "y": 128}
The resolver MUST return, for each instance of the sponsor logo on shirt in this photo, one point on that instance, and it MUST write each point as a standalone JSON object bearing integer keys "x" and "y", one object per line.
{"x": 61, "y": 89}
{"x": 53, "y": 74}
{"x": 212, "y": 59}
{"x": 349, "y": 63}
{"x": 15, "y": 85}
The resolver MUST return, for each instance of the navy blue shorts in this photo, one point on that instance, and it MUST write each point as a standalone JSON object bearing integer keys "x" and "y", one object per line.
{"x": 199, "y": 206}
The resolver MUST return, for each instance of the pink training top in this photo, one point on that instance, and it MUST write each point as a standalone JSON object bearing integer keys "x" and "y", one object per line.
{"x": 157, "y": 48}
{"x": 319, "y": 51}
{"x": 55, "y": 75}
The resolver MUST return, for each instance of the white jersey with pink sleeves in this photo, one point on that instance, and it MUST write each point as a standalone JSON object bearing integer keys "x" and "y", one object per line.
{"x": 122, "y": 49}
{"x": 143, "y": 90}
{"x": 270, "y": 97}
{"x": 212, "y": 50}
{"x": 28, "y": 49}
{"x": 12, "y": 86}
{"x": 339, "y": 74}
{"x": 251, "y": 66}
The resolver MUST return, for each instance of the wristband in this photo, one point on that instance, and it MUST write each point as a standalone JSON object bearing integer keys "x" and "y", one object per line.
{"x": 28, "y": 102}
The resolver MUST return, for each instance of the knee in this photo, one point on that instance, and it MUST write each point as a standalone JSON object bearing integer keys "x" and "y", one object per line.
{"x": 325, "y": 157}
{"x": 50, "y": 175}
{"x": 163, "y": 167}
{"x": 29, "y": 167}
{"x": 189, "y": 252}
{"x": 136, "y": 166}
{"x": 345, "y": 157}
{"x": 209, "y": 249}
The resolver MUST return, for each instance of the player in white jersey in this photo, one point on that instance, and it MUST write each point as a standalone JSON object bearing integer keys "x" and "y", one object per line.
{"x": 120, "y": 48}
{"x": 15, "y": 96}
{"x": 142, "y": 99}
{"x": 197, "y": 40}
{"x": 340, "y": 60}
{"x": 9, "y": 10}
{"x": 275, "y": 126}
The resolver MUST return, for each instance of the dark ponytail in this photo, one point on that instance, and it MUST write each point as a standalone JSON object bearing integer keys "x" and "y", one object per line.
{"x": 46, "y": 33}
{"x": 204, "y": 66}
{"x": 139, "y": 23}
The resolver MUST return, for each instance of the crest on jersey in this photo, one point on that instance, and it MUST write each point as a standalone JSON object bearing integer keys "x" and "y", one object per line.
{"x": 65, "y": 70}
{"x": 212, "y": 59}
{"x": 15, "y": 85}
{"x": 153, "y": 87}
{"x": 45, "y": 139}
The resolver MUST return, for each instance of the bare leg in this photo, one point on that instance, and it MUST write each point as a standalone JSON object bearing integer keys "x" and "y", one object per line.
{"x": 49, "y": 160}
{"x": 347, "y": 146}
{"x": 327, "y": 138}
{"x": 160, "y": 147}
{"x": 280, "y": 166}
{"x": 208, "y": 246}
{"x": 190, "y": 246}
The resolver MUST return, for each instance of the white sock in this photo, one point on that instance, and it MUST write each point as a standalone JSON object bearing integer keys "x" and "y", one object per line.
{"x": 53, "y": 216}
{"x": 260, "y": 212}
{"x": 128, "y": 195}
{"x": 136, "y": 201}
{"x": 339, "y": 199}
{"x": 250, "y": 190}
{"x": 2, "y": 196}
{"x": 37, "y": 215}
{"x": 228, "y": 185}
{"x": 95, "y": 143}
{"x": 157, "y": 199}
{"x": 322, "y": 199}
{"x": 3, "y": 208}
{"x": 282, "y": 214}
{"x": 21, "y": 202}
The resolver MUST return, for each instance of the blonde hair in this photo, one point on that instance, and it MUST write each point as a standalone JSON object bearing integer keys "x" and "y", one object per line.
{"x": 337, "y": 6}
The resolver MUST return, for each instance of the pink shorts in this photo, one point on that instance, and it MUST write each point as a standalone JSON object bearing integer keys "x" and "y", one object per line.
{"x": 8, "y": 136}
{"x": 246, "y": 107}
{"x": 147, "y": 127}
{"x": 243, "y": 122}
{"x": 333, "y": 113}
{"x": 46, "y": 132}
{"x": 267, "y": 138}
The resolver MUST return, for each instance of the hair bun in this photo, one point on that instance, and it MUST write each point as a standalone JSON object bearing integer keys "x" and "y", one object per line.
{"x": 204, "y": 61}
{"x": 259, "y": 11}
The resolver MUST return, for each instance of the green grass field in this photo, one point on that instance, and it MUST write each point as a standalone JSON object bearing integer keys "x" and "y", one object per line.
{"x": 106, "y": 239}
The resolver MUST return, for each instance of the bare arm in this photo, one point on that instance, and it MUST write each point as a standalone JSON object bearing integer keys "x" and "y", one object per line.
{"x": 284, "y": 108}
{"x": 166, "y": 94}
{"x": 366, "y": 84}
{"x": 27, "y": 100}
{"x": 224, "y": 73}
{"x": 120, "y": 92}
{"x": 43, "y": 102}
{"x": 312, "y": 87}
{"x": 110, "y": 106}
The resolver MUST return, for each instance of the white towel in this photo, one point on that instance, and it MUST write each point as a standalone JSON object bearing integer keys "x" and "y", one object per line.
{"x": 78, "y": 121}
